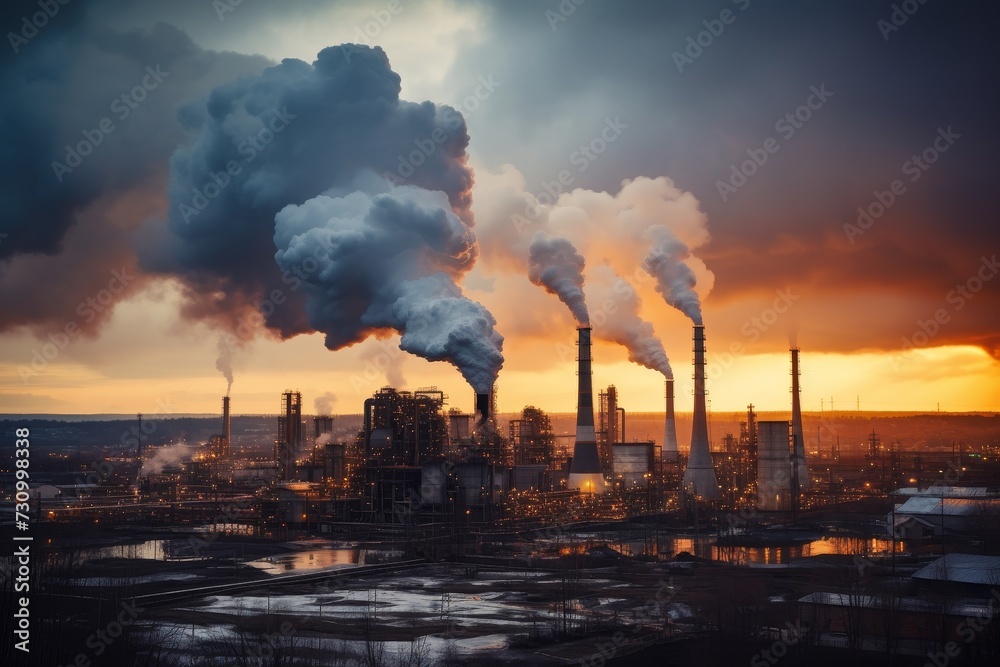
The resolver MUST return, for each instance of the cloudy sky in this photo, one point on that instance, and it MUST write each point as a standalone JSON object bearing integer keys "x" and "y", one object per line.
{"x": 824, "y": 172}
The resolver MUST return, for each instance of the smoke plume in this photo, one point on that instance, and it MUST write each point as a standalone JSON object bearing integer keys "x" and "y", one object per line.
{"x": 554, "y": 263}
{"x": 169, "y": 455}
{"x": 324, "y": 403}
{"x": 224, "y": 362}
{"x": 675, "y": 280}
{"x": 292, "y": 133}
{"x": 621, "y": 323}
{"x": 390, "y": 261}
{"x": 324, "y": 439}
{"x": 387, "y": 358}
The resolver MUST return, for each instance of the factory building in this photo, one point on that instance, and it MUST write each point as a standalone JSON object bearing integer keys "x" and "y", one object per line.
{"x": 633, "y": 464}
{"x": 609, "y": 428}
{"x": 219, "y": 445}
{"x": 774, "y": 466}
{"x": 532, "y": 437}
{"x": 943, "y": 511}
{"x": 289, "y": 441}
{"x": 403, "y": 428}
{"x": 322, "y": 424}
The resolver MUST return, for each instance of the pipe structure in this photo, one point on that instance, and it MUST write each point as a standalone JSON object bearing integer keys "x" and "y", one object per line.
{"x": 622, "y": 411}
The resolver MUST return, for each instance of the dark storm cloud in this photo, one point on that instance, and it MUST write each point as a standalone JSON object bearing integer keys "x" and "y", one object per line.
{"x": 90, "y": 121}
{"x": 694, "y": 118}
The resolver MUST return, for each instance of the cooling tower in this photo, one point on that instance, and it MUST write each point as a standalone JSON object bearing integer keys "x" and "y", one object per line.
{"x": 669, "y": 450}
{"x": 773, "y": 466}
{"x": 699, "y": 471}
{"x": 585, "y": 470}
{"x": 798, "y": 439}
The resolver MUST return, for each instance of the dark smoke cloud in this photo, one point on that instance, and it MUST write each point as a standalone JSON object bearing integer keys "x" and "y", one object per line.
{"x": 674, "y": 279}
{"x": 390, "y": 261}
{"x": 289, "y": 134}
{"x": 65, "y": 234}
{"x": 554, "y": 263}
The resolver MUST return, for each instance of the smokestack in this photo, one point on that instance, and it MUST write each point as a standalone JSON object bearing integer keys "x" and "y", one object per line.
{"x": 798, "y": 437}
{"x": 669, "y": 450}
{"x": 226, "y": 427}
{"x": 699, "y": 471}
{"x": 585, "y": 470}
{"x": 483, "y": 410}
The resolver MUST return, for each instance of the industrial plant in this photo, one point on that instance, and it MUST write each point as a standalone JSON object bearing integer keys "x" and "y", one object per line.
{"x": 407, "y": 485}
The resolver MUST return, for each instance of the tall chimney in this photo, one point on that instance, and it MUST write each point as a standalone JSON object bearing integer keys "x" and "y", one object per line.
{"x": 483, "y": 410}
{"x": 226, "y": 427}
{"x": 585, "y": 470}
{"x": 798, "y": 437}
{"x": 699, "y": 471}
{"x": 669, "y": 450}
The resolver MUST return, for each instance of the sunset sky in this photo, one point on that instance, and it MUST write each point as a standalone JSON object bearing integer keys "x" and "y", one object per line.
{"x": 757, "y": 133}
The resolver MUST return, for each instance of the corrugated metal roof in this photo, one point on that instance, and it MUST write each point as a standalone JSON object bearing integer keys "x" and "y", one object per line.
{"x": 919, "y": 505}
{"x": 947, "y": 491}
{"x": 963, "y": 568}
{"x": 960, "y": 607}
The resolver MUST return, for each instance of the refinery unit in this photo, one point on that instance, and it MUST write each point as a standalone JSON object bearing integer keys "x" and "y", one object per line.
{"x": 410, "y": 490}
{"x": 415, "y": 462}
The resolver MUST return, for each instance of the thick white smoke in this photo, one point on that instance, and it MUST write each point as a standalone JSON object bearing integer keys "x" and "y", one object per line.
{"x": 554, "y": 263}
{"x": 619, "y": 320}
{"x": 168, "y": 455}
{"x": 324, "y": 403}
{"x": 675, "y": 280}
{"x": 647, "y": 218}
{"x": 390, "y": 260}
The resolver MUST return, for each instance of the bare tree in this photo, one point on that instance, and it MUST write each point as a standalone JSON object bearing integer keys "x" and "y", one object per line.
{"x": 417, "y": 654}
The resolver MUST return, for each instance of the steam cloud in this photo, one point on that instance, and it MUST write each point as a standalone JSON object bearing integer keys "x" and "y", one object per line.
{"x": 390, "y": 261}
{"x": 554, "y": 263}
{"x": 624, "y": 325}
{"x": 387, "y": 360}
{"x": 324, "y": 403}
{"x": 224, "y": 363}
{"x": 675, "y": 280}
{"x": 168, "y": 455}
